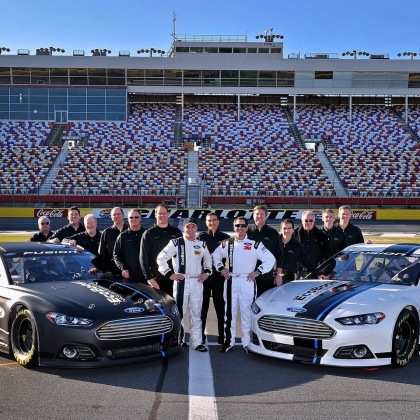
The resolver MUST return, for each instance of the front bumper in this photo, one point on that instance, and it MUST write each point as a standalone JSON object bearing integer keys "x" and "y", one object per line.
{"x": 348, "y": 347}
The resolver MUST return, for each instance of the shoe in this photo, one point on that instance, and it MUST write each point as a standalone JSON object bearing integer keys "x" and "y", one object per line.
{"x": 203, "y": 339}
{"x": 184, "y": 344}
{"x": 201, "y": 348}
{"x": 226, "y": 347}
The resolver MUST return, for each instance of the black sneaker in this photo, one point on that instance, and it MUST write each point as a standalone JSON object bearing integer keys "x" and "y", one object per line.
{"x": 201, "y": 348}
{"x": 226, "y": 347}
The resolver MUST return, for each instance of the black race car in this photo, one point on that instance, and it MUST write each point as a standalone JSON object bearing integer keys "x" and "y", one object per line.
{"x": 57, "y": 309}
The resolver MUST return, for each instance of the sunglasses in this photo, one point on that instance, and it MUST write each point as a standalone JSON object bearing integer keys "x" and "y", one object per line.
{"x": 240, "y": 225}
{"x": 134, "y": 217}
{"x": 309, "y": 220}
{"x": 45, "y": 223}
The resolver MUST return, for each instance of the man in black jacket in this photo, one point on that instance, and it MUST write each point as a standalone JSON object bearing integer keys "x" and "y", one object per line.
{"x": 44, "y": 230}
{"x": 71, "y": 229}
{"x": 336, "y": 239}
{"x": 214, "y": 285}
{"x": 89, "y": 239}
{"x": 108, "y": 238}
{"x": 312, "y": 239}
{"x": 353, "y": 233}
{"x": 292, "y": 256}
{"x": 261, "y": 232}
{"x": 127, "y": 248}
{"x": 154, "y": 240}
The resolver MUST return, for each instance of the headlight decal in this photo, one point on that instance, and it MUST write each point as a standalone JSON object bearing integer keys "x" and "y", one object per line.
{"x": 362, "y": 319}
{"x": 68, "y": 320}
{"x": 319, "y": 307}
{"x": 328, "y": 309}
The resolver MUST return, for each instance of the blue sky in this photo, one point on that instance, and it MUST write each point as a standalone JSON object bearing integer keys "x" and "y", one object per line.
{"x": 308, "y": 26}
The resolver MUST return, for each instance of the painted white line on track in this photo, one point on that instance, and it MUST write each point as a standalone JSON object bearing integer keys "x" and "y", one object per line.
{"x": 202, "y": 401}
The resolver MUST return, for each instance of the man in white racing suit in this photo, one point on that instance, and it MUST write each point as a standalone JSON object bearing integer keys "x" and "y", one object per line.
{"x": 192, "y": 264}
{"x": 240, "y": 290}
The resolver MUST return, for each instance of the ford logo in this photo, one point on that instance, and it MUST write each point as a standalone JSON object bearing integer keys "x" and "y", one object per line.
{"x": 298, "y": 310}
{"x": 133, "y": 310}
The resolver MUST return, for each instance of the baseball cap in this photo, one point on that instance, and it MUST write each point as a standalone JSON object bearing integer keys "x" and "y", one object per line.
{"x": 189, "y": 220}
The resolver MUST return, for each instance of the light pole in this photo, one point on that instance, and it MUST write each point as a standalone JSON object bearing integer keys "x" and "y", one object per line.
{"x": 355, "y": 53}
{"x": 269, "y": 36}
{"x": 97, "y": 52}
{"x": 408, "y": 53}
{"x": 151, "y": 51}
{"x": 48, "y": 51}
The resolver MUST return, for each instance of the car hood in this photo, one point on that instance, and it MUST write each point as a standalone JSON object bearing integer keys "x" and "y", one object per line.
{"x": 317, "y": 298}
{"x": 88, "y": 295}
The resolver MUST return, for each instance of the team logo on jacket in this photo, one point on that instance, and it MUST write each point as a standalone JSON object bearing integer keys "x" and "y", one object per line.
{"x": 247, "y": 247}
{"x": 133, "y": 310}
{"x": 196, "y": 246}
{"x": 198, "y": 253}
{"x": 298, "y": 310}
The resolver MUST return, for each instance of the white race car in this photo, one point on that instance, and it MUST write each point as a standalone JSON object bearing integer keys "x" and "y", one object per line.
{"x": 366, "y": 315}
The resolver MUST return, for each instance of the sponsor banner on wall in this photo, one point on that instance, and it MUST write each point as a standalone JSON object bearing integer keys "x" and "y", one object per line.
{"x": 358, "y": 214}
{"x": 232, "y": 214}
{"x": 51, "y": 213}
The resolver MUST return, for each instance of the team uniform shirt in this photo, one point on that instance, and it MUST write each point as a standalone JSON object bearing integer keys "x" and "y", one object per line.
{"x": 336, "y": 241}
{"x": 89, "y": 243}
{"x": 353, "y": 234}
{"x": 154, "y": 240}
{"x": 190, "y": 258}
{"x": 292, "y": 256}
{"x": 126, "y": 254}
{"x": 314, "y": 243}
{"x": 40, "y": 237}
{"x": 67, "y": 231}
{"x": 214, "y": 285}
{"x": 271, "y": 239}
{"x": 106, "y": 247}
{"x": 241, "y": 256}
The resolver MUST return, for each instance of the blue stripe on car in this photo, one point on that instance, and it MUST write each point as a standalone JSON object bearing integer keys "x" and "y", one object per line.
{"x": 157, "y": 306}
{"x": 401, "y": 249}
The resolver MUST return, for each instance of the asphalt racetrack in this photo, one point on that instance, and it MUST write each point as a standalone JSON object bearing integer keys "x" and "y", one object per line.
{"x": 213, "y": 385}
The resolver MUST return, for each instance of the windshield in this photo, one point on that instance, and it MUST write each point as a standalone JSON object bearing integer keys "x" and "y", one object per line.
{"x": 50, "y": 268}
{"x": 373, "y": 266}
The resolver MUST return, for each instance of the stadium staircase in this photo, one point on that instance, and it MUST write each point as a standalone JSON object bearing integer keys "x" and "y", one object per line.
{"x": 293, "y": 127}
{"x": 408, "y": 128}
{"x": 178, "y": 141}
{"x": 54, "y": 137}
{"x": 45, "y": 187}
{"x": 193, "y": 186}
{"x": 339, "y": 189}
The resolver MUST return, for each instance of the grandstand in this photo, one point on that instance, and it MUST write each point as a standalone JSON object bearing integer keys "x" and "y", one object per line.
{"x": 218, "y": 121}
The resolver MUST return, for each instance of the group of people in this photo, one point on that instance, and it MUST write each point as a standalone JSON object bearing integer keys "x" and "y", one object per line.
{"x": 191, "y": 267}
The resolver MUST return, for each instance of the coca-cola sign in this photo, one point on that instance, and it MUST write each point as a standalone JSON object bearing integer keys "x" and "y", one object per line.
{"x": 356, "y": 214}
{"x": 51, "y": 213}
{"x": 364, "y": 215}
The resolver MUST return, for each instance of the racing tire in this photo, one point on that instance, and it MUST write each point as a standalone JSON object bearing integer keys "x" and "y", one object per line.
{"x": 23, "y": 338}
{"x": 404, "y": 338}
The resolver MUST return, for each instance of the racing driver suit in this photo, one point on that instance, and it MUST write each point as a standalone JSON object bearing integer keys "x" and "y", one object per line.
{"x": 191, "y": 258}
{"x": 241, "y": 256}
